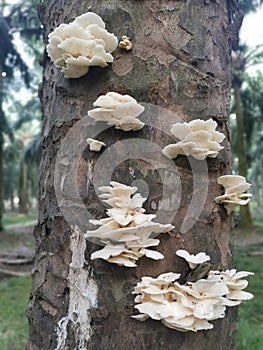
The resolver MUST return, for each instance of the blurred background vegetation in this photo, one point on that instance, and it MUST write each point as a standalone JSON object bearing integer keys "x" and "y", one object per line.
{"x": 21, "y": 49}
{"x": 20, "y": 112}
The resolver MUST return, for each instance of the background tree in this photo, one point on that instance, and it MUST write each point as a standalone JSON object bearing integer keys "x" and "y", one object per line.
{"x": 242, "y": 59}
{"x": 252, "y": 97}
{"x": 9, "y": 59}
{"x": 19, "y": 20}
{"x": 181, "y": 62}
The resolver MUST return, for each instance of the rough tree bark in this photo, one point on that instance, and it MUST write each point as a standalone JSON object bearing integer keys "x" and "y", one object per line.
{"x": 181, "y": 62}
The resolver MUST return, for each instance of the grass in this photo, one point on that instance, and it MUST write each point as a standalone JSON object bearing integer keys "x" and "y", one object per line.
{"x": 250, "y": 313}
{"x": 13, "y": 324}
{"x": 18, "y": 235}
{"x": 11, "y": 218}
{"x": 14, "y": 291}
{"x": 14, "y": 294}
{"x": 258, "y": 223}
{"x": 10, "y": 240}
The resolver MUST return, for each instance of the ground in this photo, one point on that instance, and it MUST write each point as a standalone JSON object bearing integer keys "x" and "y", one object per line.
{"x": 17, "y": 249}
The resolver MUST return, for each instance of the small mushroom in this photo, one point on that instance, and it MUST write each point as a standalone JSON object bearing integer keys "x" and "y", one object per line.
{"x": 193, "y": 260}
{"x": 197, "y": 138}
{"x": 118, "y": 110}
{"x": 85, "y": 42}
{"x": 235, "y": 188}
{"x": 125, "y": 43}
{"x": 95, "y": 145}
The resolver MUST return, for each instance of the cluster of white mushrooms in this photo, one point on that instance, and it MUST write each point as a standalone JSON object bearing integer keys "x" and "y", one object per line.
{"x": 118, "y": 110}
{"x": 197, "y": 138}
{"x": 85, "y": 42}
{"x": 190, "y": 307}
{"x": 235, "y": 188}
{"x": 127, "y": 231}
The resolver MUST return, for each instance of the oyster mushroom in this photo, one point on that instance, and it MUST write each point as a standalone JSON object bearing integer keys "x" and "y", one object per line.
{"x": 235, "y": 188}
{"x": 118, "y": 110}
{"x": 197, "y": 138}
{"x": 191, "y": 306}
{"x": 83, "y": 43}
{"x": 95, "y": 145}
{"x": 127, "y": 230}
{"x": 193, "y": 260}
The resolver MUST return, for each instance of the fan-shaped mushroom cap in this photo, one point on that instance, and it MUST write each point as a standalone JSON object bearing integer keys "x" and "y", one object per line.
{"x": 197, "y": 138}
{"x": 76, "y": 46}
{"x": 95, "y": 145}
{"x": 193, "y": 260}
{"x": 88, "y": 18}
{"x": 235, "y": 186}
{"x": 119, "y": 110}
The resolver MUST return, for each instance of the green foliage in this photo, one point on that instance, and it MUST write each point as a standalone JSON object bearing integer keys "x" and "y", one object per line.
{"x": 252, "y": 99}
{"x": 250, "y": 5}
{"x": 249, "y": 114}
{"x": 13, "y": 325}
{"x": 19, "y": 18}
{"x": 20, "y": 21}
{"x": 250, "y": 313}
{"x": 13, "y": 218}
{"x": 10, "y": 57}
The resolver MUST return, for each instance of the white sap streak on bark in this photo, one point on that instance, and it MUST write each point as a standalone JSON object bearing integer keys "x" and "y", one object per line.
{"x": 82, "y": 296}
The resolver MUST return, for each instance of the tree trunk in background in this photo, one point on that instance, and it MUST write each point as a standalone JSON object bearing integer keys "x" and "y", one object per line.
{"x": 181, "y": 62}
{"x": 23, "y": 188}
{"x": 261, "y": 177}
{"x": 1, "y": 184}
{"x": 257, "y": 185}
{"x": 245, "y": 215}
{"x": 1, "y": 154}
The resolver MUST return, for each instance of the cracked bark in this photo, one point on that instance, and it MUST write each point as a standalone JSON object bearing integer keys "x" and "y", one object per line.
{"x": 180, "y": 61}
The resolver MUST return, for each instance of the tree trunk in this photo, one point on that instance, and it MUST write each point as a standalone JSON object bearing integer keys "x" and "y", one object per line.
{"x": 1, "y": 153}
{"x": 1, "y": 184}
{"x": 23, "y": 188}
{"x": 257, "y": 186}
{"x": 180, "y": 61}
{"x": 245, "y": 215}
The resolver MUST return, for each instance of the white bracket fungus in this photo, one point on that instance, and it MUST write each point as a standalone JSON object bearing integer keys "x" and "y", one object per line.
{"x": 85, "y": 42}
{"x": 119, "y": 110}
{"x": 197, "y": 138}
{"x": 127, "y": 231}
{"x": 190, "y": 306}
{"x": 235, "y": 188}
{"x": 95, "y": 145}
{"x": 125, "y": 43}
{"x": 193, "y": 260}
